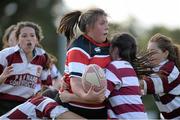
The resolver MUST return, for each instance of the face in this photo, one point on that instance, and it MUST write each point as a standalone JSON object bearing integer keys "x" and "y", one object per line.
{"x": 12, "y": 39}
{"x": 100, "y": 29}
{"x": 27, "y": 39}
{"x": 159, "y": 55}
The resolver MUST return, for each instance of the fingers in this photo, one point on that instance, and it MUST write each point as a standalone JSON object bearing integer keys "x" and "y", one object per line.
{"x": 102, "y": 91}
{"x": 64, "y": 85}
{"x": 64, "y": 96}
{"x": 91, "y": 89}
{"x": 8, "y": 71}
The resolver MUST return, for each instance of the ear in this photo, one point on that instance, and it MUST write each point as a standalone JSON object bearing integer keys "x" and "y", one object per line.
{"x": 87, "y": 28}
{"x": 115, "y": 53}
{"x": 166, "y": 53}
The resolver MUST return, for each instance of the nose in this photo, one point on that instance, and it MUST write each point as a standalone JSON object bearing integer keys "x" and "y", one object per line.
{"x": 107, "y": 26}
{"x": 28, "y": 38}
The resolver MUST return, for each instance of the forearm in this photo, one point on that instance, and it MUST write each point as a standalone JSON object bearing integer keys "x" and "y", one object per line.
{"x": 154, "y": 85}
{"x": 75, "y": 98}
{"x": 2, "y": 79}
{"x": 77, "y": 88}
{"x": 91, "y": 96}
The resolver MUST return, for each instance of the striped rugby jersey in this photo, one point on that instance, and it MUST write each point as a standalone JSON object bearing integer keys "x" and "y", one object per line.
{"x": 35, "y": 108}
{"x": 123, "y": 92}
{"x": 82, "y": 52}
{"x": 20, "y": 86}
{"x": 166, "y": 89}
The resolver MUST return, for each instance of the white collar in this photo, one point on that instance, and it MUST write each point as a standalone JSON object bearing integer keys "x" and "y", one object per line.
{"x": 38, "y": 51}
{"x": 156, "y": 69}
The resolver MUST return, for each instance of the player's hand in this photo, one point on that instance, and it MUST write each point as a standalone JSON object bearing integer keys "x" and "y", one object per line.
{"x": 6, "y": 73}
{"x": 64, "y": 96}
{"x": 94, "y": 96}
{"x": 64, "y": 85}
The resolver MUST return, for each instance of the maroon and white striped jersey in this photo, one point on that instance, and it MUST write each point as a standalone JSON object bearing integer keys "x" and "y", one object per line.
{"x": 20, "y": 86}
{"x": 123, "y": 92}
{"x": 36, "y": 108}
{"x": 165, "y": 88}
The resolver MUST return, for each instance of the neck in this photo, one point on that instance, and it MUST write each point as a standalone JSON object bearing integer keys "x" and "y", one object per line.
{"x": 91, "y": 36}
{"x": 29, "y": 55}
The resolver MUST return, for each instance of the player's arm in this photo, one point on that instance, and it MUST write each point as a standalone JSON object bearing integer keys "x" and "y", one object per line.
{"x": 76, "y": 86}
{"x": 6, "y": 73}
{"x": 92, "y": 97}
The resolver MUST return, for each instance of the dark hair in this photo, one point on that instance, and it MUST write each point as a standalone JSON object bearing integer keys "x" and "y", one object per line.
{"x": 126, "y": 45}
{"x": 71, "y": 20}
{"x": 36, "y": 27}
{"x": 7, "y": 34}
{"x": 165, "y": 43}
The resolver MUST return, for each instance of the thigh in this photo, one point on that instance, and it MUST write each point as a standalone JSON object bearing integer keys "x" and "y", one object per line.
{"x": 89, "y": 113}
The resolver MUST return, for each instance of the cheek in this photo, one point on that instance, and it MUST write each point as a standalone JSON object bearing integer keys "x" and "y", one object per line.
{"x": 21, "y": 42}
{"x": 156, "y": 59}
{"x": 35, "y": 41}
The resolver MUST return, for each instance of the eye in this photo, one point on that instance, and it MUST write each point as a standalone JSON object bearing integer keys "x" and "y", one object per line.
{"x": 24, "y": 35}
{"x": 32, "y": 35}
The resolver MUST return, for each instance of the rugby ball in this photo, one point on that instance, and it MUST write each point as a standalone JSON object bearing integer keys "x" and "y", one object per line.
{"x": 94, "y": 76}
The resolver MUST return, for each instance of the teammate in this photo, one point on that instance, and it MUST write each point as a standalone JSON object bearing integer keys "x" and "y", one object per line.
{"x": 165, "y": 83}
{"x": 21, "y": 66}
{"x": 9, "y": 38}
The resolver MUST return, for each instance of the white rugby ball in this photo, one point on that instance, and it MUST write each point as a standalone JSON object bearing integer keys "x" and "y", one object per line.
{"x": 94, "y": 76}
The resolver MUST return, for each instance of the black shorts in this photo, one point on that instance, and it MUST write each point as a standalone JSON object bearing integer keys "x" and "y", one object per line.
{"x": 86, "y": 113}
{"x": 6, "y": 106}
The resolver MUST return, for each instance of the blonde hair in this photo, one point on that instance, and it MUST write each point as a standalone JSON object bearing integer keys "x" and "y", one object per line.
{"x": 7, "y": 34}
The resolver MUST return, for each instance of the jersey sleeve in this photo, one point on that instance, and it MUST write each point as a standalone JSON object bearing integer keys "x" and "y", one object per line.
{"x": 55, "y": 72}
{"x": 153, "y": 85}
{"x": 113, "y": 81}
{"x": 76, "y": 61}
{"x": 163, "y": 82}
{"x": 3, "y": 61}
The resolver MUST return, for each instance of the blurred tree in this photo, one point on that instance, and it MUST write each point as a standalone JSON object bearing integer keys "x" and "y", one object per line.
{"x": 173, "y": 33}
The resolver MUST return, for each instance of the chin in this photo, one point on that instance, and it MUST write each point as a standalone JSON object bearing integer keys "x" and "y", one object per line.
{"x": 103, "y": 40}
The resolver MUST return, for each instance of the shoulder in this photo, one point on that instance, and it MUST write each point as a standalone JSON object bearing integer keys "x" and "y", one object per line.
{"x": 120, "y": 64}
{"x": 40, "y": 51}
{"x": 170, "y": 69}
{"x": 81, "y": 44}
{"x": 8, "y": 51}
{"x": 168, "y": 66}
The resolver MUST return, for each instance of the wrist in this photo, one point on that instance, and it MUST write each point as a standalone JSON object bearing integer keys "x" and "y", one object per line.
{"x": 2, "y": 79}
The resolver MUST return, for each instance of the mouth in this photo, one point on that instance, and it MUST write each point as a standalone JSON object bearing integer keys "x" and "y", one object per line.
{"x": 105, "y": 34}
{"x": 29, "y": 44}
